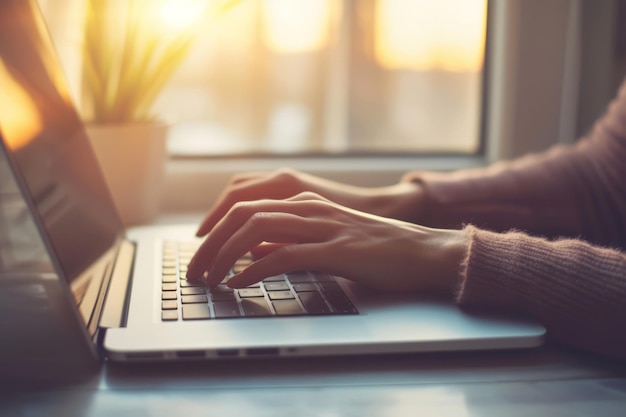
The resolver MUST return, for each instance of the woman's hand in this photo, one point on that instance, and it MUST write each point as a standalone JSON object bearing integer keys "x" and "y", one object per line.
{"x": 401, "y": 201}
{"x": 309, "y": 232}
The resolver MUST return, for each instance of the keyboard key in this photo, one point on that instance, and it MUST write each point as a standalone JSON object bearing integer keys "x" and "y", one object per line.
{"x": 196, "y": 312}
{"x": 226, "y": 309}
{"x": 296, "y": 277}
{"x": 169, "y": 271}
{"x": 169, "y": 252}
{"x": 170, "y": 263}
{"x": 222, "y": 293}
{"x": 186, "y": 253}
{"x": 193, "y": 291}
{"x": 169, "y": 305}
{"x": 330, "y": 287}
{"x": 313, "y": 303}
{"x": 168, "y": 295}
{"x": 275, "y": 278}
{"x": 168, "y": 279}
{"x": 280, "y": 295}
{"x": 185, "y": 258}
{"x": 276, "y": 286}
{"x": 250, "y": 292}
{"x": 190, "y": 283}
{"x": 170, "y": 286}
{"x": 256, "y": 307}
{"x": 317, "y": 277}
{"x": 247, "y": 257}
{"x": 188, "y": 246}
{"x": 193, "y": 299}
{"x": 304, "y": 287}
{"x": 169, "y": 315}
{"x": 240, "y": 265}
{"x": 340, "y": 302}
{"x": 287, "y": 307}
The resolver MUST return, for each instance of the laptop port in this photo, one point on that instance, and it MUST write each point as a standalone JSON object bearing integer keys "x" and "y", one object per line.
{"x": 144, "y": 355}
{"x": 262, "y": 351}
{"x": 225, "y": 353}
{"x": 190, "y": 354}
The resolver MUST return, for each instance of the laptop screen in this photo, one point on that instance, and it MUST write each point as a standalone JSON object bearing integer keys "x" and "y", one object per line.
{"x": 46, "y": 143}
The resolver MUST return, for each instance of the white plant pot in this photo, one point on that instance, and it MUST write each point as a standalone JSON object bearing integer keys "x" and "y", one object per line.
{"x": 132, "y": 158}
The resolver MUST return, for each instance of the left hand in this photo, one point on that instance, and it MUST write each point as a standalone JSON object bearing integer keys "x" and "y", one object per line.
{"x": 308, "y": 232}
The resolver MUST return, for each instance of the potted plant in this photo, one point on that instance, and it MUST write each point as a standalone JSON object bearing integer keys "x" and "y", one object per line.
{"x": 131, "y": 49}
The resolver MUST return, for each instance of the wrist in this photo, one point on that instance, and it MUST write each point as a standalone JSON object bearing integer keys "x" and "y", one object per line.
{"x": 453, "y": 245}
{"x": 403, "y": 201}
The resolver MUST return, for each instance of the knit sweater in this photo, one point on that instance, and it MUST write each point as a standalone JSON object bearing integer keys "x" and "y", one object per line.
{"x": 547, "y": 234}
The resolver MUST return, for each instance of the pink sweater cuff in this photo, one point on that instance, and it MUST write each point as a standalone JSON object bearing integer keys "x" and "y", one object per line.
{"x": 575, "y": 289}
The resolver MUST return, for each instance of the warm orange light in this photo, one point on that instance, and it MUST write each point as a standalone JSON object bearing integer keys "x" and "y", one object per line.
{"x": 21, "y": 121}
{"x": 180, "y": 14}
{"x": 447, "y": 35}
{"x": 292, "y": 26}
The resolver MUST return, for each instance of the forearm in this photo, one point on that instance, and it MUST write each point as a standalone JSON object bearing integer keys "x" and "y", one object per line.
{"x": 575, "y": 289}
{"x": 529, "y": 194}
{"x": 573, "y": 191}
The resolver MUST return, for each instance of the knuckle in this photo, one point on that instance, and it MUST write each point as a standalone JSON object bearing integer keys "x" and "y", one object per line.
{"x": 235, "y": 179}
{"x": 308, "y": 195}
{"x": 286, "y": 176}
{"x": 258, "y": 219}
{"x": 240, "y": 209}
{"x": 319, "y": 206}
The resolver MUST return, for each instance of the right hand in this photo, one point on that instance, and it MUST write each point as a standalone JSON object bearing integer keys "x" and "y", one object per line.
{"x": 308, "y": 232}
{"x": 402, "y": 201}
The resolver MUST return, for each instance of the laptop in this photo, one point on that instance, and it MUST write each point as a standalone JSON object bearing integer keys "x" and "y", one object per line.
{"x": 126, "y": 288}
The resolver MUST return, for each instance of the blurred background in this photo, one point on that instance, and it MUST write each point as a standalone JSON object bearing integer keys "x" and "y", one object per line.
{"x": 312, "y": 76}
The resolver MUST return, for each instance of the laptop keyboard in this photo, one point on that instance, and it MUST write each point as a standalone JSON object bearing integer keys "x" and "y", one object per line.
{"x": 292, "y": 294}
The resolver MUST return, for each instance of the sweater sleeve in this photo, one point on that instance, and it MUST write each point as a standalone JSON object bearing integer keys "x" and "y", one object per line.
{"x": 576, "y": 191}
{"x": 568, "y": 267}
{"x": 577, "y": 290}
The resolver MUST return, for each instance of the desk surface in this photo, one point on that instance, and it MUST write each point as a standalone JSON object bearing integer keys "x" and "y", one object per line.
{"x": 545, "y": 382}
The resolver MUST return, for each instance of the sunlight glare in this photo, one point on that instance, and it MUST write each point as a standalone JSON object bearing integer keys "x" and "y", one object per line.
{"x": 180, "y": 14}
{"x": 295, "y": 26}
{"x": 21, "y": 121}
{"x": 425, "y": 35}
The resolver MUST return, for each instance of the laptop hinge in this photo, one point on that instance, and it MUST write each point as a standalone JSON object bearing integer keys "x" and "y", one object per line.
{"x": 114, "y": 312}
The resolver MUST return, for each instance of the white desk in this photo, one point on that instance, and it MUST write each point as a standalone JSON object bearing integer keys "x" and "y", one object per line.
{"x": 550, "y": 381}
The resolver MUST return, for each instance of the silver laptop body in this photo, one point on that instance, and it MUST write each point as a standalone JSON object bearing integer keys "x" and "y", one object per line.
{"x": 114, "y": 276}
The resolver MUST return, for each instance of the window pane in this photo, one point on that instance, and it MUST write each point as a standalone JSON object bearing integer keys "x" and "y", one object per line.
{"x": 320, "y": 76}
{"x": 418, "y": 77}
{"x": 330, "y": 76}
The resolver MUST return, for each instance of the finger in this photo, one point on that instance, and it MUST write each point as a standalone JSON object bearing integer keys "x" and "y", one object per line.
{"x": 275, "y": 186}
{"x": 288, "y": 258}
{"x": 262, "y": 227}
{"x": 247, "y": 176}
{"x": 265, "y": 249}
{"x": 250, "y": 190}
{"x": 241, "y": 212}
{"x": 308, "y": 196}
{"x": 237, "y": 216}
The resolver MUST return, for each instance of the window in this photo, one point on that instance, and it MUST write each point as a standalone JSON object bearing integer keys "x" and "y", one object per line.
{"x": 329, "y": 76}
{"x": 317, "y": 76}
